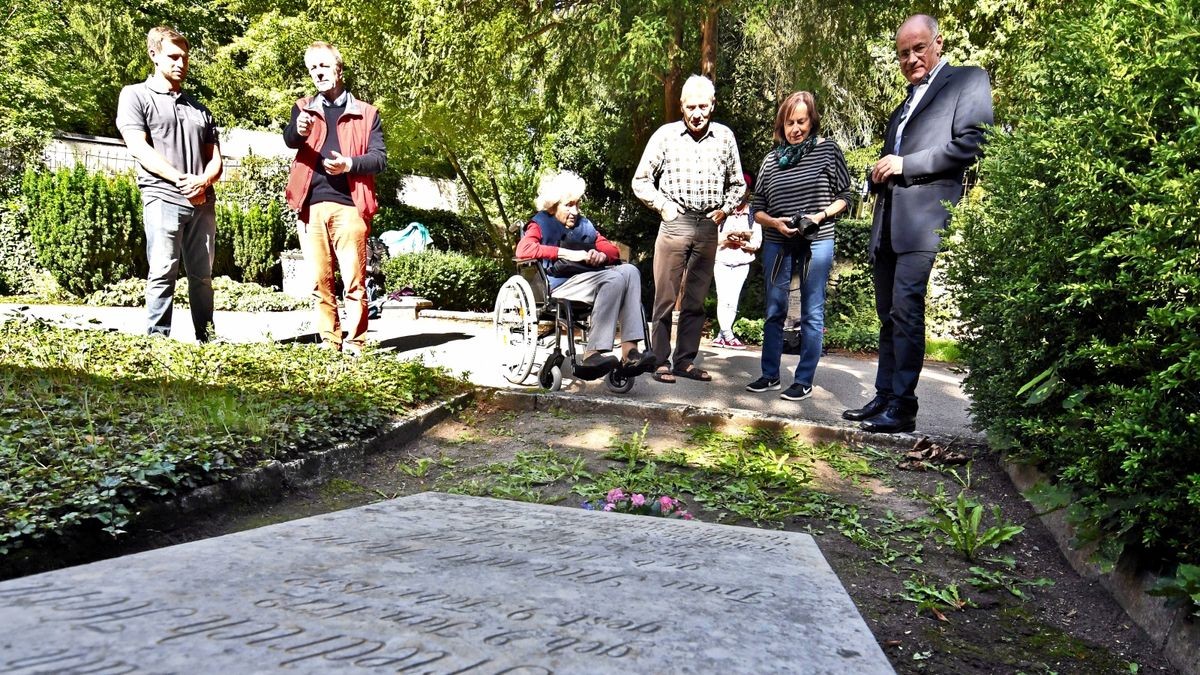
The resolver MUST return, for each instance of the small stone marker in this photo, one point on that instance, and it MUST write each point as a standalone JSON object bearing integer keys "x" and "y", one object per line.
{"x": 448, "y": 585}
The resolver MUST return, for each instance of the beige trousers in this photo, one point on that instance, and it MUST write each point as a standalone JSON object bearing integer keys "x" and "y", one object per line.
{"x": 336, "y": 234}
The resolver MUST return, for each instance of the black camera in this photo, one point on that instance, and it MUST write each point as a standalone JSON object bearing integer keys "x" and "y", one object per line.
{"x": 807, "y": 226}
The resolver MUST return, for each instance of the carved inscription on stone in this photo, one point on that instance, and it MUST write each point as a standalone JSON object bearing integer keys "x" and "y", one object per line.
{"x": 442, "y": 584}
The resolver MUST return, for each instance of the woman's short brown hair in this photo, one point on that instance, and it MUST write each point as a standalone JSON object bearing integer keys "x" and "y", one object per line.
{"x": 789, "y": 104}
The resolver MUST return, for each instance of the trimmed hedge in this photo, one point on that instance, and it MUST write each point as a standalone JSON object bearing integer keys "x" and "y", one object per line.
{"x": 1078, "y": 274}
{"x": 249, "y": 243}
{"x": 450, "y": 280}
{"x": 86, "y": 228}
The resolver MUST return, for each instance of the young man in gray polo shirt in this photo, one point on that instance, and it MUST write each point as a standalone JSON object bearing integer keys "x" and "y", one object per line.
{"x": 174, "y": 140}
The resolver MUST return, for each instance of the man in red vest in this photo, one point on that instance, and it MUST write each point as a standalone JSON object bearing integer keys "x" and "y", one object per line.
{"x": 339, "y": 144}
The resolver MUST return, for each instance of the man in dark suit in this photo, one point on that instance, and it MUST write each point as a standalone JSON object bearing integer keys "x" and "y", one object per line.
{"x": 932, "y": 138}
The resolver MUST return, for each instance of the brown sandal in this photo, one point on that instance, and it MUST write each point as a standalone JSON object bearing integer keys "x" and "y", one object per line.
{"x": 693, "y": 373}
{"x": 663, "y": 375}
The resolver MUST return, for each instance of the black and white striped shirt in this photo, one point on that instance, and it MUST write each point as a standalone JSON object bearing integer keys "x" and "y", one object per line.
{"x": 817, "y": 181}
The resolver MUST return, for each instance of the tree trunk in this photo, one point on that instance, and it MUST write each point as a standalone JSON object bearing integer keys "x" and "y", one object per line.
{"x": 673, "y": 83}
{"x": 708, "y": 43}
{"x": 500, "y": 238}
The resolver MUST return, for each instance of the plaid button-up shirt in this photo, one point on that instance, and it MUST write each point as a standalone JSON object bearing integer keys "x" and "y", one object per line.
{"x": 698, "y": 175}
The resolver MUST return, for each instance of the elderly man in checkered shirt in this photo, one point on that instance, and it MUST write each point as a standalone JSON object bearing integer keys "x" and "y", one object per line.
{"x": 691, "y": 175}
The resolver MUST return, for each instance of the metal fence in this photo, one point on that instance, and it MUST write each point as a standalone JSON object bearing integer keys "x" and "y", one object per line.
{"x": 113, "y": 159}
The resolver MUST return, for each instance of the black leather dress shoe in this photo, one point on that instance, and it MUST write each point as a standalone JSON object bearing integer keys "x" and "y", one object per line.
{"x": 876, "y": 406}
{"x": 893, "y": 420}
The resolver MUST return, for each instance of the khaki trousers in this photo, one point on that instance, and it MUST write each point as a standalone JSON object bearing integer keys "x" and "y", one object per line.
{"x": 688, "y": 243}
{"x": 336, "y": 234}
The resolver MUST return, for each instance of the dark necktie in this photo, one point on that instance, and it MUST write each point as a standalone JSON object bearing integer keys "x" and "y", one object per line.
{"x": 908, "y": 104}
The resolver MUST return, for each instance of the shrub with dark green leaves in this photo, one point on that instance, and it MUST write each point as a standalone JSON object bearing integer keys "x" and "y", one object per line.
{"x": 18, "y": 258}
{"x": 850, "y": 318}
{"x": 450, "y": 280}
{"x": 852, "y": 239}
{"x": 253, "y": 224}
{"x": 97, "y": 425}
{"x": 1077, "y": 272}
{"x": 250, "y": 242}
{"x": 228, "y": 295}
{"x": 86, "y": 228}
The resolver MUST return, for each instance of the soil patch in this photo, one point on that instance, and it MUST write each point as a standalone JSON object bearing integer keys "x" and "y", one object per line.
{"x": 1018, "y": 608}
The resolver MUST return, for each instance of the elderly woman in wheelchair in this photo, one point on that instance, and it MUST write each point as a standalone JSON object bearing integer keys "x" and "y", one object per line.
{"x": 582, "y": 266}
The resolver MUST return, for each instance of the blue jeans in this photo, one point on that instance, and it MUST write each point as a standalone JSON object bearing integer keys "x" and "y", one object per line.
{"x": 812, "y": 299}
{"x": 174, "y": 233}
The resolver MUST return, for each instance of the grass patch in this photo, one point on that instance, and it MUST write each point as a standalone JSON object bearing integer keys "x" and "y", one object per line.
{"x": 93, "y": 425}
{"x": 937, "y": 349}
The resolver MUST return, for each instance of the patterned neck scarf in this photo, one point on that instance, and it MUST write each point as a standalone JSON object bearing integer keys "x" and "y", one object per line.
{"x": 790, "y": 155}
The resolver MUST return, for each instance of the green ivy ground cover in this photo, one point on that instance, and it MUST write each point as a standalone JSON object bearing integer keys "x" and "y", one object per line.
{"x": 94, "y": 425}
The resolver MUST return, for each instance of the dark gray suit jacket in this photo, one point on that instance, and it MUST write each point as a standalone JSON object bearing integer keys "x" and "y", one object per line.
{"x": 944, "y": 136}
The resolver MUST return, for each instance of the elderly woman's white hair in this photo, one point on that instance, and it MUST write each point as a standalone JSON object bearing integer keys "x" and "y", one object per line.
{"x": 556, "y": 188}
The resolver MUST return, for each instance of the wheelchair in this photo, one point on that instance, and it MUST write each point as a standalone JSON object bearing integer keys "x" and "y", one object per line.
{"x": 530, "y": 326}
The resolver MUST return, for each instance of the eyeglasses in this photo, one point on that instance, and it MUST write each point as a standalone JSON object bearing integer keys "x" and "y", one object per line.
{"x": 919, "y": 49}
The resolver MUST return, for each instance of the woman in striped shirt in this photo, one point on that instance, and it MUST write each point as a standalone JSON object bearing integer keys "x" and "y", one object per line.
{"x": 802, "y": 187}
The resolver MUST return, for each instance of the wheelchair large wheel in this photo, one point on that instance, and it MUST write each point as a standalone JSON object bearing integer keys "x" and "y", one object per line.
{"x": 516, "y": 326}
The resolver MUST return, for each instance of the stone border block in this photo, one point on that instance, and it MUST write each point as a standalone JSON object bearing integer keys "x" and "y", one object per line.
{"x": 1171, "y": 630}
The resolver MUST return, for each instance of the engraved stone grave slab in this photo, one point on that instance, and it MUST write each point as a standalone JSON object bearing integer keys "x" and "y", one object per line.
{"x": 448, "y": 585}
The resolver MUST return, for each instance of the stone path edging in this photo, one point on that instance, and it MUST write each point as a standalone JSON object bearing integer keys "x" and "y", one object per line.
{"x": 1169, "y": 628}
{"x": 806, "y": 430}
{"x": 312, "y": 468}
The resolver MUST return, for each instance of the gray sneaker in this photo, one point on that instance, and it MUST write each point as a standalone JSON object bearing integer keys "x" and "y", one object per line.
{"x": 763, "y": 384}
{"x": 797, "y": 392}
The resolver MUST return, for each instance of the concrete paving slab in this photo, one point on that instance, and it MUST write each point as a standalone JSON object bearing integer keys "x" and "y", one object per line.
{"x": 446, "y": 584}
{"x": 468, "y": 346}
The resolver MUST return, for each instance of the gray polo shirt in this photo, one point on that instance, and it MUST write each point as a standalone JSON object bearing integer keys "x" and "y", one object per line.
{"x": 177, "y": 126}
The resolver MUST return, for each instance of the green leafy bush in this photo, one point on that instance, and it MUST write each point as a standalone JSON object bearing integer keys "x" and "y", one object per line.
{"x": 18, "y": 258}
{"x": 86, "y": 228}
{"x": 850, "y": 318}
{"x": 98, "y": 424}
{"x": 250, "y": 241}
{"x": 450, "y": 280}
{"x": 447, "y": 229}
{"x": 1077, "y": 273}
{"x": 253, "y": 224}
{"x": 852, "y": 240}
{"x": 749, "y": 331}
{"x": 228, "y": 295}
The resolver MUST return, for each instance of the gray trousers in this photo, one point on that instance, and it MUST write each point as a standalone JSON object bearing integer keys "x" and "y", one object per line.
{"x": 175, "y": 232}
{"x": 615, "y": 294}
{"x": 687, "y": 243}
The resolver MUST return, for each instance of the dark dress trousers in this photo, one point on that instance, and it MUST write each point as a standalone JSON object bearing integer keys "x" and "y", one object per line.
{"x": 942, "y": 138}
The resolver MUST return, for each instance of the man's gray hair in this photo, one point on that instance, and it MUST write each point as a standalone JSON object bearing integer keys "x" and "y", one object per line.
{"x": 929, "y": 22}
{"x": 700, "y": 86}
{"x": 337, "y": 56}
{"x": 558, "y": 187}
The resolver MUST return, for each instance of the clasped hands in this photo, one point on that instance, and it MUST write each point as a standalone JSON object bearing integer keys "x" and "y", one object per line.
{"x": 337, "y": 163}
{"x": 592, "y": 257}
{"x": 191, "y": 185}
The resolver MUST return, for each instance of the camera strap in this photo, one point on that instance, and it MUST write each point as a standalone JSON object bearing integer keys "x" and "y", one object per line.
{"x": 805, "y": 252}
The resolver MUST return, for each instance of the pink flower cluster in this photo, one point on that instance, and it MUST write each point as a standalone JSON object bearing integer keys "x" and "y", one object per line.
{"x": 625, "y": 502}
